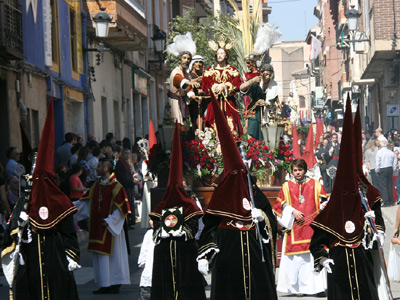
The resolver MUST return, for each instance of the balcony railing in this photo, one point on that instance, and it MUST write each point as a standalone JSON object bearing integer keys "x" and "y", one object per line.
{"x": 11, "y": 43}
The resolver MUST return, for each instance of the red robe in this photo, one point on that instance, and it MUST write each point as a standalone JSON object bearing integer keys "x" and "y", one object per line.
{"x": 230, "y": 78}
{"x": 104, "y": 199}
{"x": 299, "y": 237}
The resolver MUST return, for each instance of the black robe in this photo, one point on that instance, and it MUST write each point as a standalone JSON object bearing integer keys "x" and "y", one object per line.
{"x": 45, "y": 273}
{"x": 352, "y": 274}
{"x": 238, "y": 272}
{"x": 175, "y": 262}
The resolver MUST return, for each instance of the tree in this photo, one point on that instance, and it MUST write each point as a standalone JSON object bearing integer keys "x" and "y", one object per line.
{"x": 207, "y": 29}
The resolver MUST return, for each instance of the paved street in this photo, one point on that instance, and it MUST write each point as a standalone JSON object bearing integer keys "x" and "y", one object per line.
{"x": 84, "y": 276}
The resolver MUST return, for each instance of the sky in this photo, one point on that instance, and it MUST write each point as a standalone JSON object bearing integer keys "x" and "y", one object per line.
{"x": 294, "y": 18}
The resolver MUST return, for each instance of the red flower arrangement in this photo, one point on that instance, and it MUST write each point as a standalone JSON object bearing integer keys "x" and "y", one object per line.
{"x": 259, "y": 158}
{"x": 202, "y": 156}
{"x": 284, "y": 155}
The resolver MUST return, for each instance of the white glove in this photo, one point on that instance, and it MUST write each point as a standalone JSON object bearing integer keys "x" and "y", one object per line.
{"x": 370, "y": 214}
{"x": 164, "y": 234}
{"x": 257, "y": 215}
{"x": 24, "y": 216}
{"x": 381, "y": 236}
{"x": 203, "y": 266}
{"x": 325, "y": 263}
{"x": 72, "y": 265}
{"x": 178, "y": 233}
{"x": 323, "y": 204}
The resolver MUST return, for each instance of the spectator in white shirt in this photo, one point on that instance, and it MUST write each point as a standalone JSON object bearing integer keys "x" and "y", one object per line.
{"x": 386, "y": 164}
{"x": 92, "y": 163}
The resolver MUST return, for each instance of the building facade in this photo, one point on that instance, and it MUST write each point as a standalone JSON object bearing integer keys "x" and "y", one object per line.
{"x": 362, "y": 63}
{"x": 51, "y": 65}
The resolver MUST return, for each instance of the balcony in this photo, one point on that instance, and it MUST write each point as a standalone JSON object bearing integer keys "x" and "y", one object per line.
{"x": 128, "y": 32}
{"x": 11, "y": 43}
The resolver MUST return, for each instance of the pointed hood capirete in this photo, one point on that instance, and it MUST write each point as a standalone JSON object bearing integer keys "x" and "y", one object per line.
{"x": 319, "y": 130}
{"x": 373, "y": 194}
{"x": 175, "y": 195}
{"x": 308, "y": 154}
{"x": 295, "y": 143}
{"x": 231, "y": 199}
{"x": 343, "y": 216}
{"x": 152, "y": 136}
{"x": 48, "y": 205}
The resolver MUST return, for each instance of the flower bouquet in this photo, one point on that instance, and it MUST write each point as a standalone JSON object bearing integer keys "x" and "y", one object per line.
{"x": 284, "y": 156}
{"x": 202, "y": 156}
{"x": 259, "y": 160}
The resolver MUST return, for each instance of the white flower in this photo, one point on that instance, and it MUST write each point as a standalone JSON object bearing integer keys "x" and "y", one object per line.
{"x": 211, "y": 145}
{"x": 206, "y": 141}
{"x": 208, "y": 135}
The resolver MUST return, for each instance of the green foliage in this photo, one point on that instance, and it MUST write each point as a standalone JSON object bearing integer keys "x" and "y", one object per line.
{"x": 303, "y": 130}
{"x": 209, "y": 28}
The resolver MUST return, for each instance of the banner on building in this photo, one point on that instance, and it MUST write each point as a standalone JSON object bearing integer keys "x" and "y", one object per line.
{"x": 315, "y": 47}
{"x": 48, "y": 55}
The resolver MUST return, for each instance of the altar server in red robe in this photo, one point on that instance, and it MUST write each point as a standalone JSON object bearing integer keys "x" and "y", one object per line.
{"x": 298, "y": 203}
{"x": 109, "y": 207}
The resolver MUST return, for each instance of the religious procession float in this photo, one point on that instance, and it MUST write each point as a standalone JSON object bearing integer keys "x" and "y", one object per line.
{"x": 267, "y": 155}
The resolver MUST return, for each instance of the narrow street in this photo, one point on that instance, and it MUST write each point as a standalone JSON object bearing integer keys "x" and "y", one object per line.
{"x": 85, "y": 282}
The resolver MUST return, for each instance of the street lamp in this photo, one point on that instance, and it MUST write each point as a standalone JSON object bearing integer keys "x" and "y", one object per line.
{"x": 102, "y": 21}
{"x": 159, "y": 38}
{"x": 352, "y": 16}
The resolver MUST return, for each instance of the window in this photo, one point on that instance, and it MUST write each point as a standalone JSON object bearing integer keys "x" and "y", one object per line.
{"x": 73, "y": 40}
{"x": 302, "y": 102}
{"x": 55, "y": 36}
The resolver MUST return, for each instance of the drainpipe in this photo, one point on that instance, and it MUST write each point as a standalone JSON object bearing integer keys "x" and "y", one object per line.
{"x": 123, "y": 100}
{"x": 86, "y": 82}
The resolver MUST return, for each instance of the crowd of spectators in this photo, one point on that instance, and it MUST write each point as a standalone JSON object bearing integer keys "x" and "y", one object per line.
{"x": 75, "y": 171}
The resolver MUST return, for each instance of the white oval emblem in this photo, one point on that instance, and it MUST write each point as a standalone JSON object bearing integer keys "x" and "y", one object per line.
{"x": 43, "y": 213}
{"x": 246, "y": 204}
{"x": 349, "y": 227}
